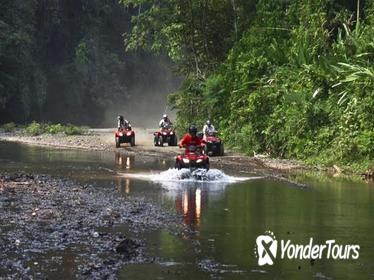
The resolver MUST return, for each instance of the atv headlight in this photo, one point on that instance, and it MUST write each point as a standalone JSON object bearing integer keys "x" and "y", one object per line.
{"x": 128, "y": 133}
{"x": 164, "y": 133}
{"x": 120, "y": 134}
{"x": 199, "y": 160}
{"x": 186, "y": 160}
{"x": 171, "y": 133}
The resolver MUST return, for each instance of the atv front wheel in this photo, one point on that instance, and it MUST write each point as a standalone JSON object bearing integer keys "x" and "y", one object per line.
{"x": 118, "y": 144}
{"x": 221, "y": 150}
{"x": 178, "y": 165}
{"x": 132, "y": 142}
{"x": 155, "y": 141}
{"x": 174, "y": 141}
{"x": 206, "y": 166}
{"x": 161, "y": 141}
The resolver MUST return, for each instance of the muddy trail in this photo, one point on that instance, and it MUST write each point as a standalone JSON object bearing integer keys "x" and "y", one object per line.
{"x": 48, "y": 223}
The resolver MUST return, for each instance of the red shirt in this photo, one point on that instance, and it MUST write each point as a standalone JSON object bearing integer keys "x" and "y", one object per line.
{"x": 189, "y": 140}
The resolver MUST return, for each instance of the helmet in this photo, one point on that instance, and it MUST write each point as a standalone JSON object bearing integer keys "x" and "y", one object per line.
{"x": 165, "y": 116}
{"x": 119, "y": 117}
{"x": 208, "y": 122}
{"x": 192, "y": 130}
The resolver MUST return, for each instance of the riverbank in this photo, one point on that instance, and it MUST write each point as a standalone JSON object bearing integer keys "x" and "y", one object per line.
{"x": 103, "y": 140}
{"x": 49, "y": 222}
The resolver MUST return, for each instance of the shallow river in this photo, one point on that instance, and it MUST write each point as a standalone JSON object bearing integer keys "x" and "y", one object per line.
{"x": 227, "y": 215}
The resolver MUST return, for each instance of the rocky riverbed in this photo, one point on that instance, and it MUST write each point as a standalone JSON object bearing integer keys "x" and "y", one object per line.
{"x": 47, "y": 222}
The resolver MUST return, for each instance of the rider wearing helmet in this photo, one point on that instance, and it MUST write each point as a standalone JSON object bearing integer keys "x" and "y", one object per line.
{"x": 165, "y": 122}
{"x": 122, "y": 123}
{"x": 190, "y": 138}
{"x": 208, "y": 129}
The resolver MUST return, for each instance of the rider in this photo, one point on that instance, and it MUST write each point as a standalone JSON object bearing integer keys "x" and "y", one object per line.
{"x": 122, "y": 123}
{"x": 190, "y": 138}
{"x": 208, "y": 129}
{"x": 165, "y": 122}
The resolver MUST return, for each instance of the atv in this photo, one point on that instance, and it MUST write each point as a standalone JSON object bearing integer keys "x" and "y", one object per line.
{"x": 166, "y": 135}
{"x": 193, "y": 158}
{"x": 213, "y": 145}
{"x": 124, "y": 135}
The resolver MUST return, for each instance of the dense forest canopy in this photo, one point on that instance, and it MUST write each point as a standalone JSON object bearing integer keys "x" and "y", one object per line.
{"x": 286, "y": 78}
{"x": 65, "y": 61}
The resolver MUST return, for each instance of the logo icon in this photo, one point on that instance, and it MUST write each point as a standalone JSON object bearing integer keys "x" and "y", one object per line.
{"x": 266, "y": 246}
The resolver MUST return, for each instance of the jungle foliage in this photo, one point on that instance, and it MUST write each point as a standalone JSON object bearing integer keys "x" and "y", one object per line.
{"x": 64, "y": 61}
{"x": 292, "y": 79}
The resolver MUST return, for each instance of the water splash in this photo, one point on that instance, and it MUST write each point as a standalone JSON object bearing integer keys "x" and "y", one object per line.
{"x": 198, "y": 175}
{"x": 174, "y": 178}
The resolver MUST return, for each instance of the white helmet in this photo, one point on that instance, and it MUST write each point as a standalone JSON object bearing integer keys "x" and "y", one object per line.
{"x": 165, "y": 116}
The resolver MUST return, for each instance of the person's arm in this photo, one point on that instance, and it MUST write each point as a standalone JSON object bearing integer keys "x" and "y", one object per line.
{"x": 183, "y": 141}
{"x": 161, "y": 122}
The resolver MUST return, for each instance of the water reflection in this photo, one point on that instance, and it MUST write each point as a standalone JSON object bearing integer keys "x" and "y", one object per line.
{"x": 123, "y": 184}
{"x": 123, "y": 161}
{"x": 190, "y": 202}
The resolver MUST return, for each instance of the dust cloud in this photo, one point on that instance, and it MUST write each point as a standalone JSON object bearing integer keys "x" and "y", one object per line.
{"x": 144, "y": 103}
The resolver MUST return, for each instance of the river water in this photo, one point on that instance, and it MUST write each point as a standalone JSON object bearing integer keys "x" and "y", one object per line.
{"x": 227, "y": 215}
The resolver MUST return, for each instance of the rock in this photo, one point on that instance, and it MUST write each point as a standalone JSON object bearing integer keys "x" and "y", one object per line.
{"x": 127, "y": 247}
{"x": 337, "y": 169}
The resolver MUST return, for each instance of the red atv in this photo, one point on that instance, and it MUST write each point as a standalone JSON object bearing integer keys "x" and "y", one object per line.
{"x": 125, "y": 135}
{"x": 166, "y": 135}
{"x": 193, "y": 158}
{"x": 213, "y": 145}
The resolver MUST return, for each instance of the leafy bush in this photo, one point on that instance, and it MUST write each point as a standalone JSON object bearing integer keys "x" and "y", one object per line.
{"x": 9, "y": 127}
{"x": 71, "y": 129}
{"x": 55, "y": 128}
{"x": 34, "y": 129}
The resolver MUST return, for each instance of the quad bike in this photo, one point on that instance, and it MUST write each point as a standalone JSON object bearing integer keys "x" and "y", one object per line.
{"x": 213, "y": 145}
{"x": 125, "y": 135}
{"x": 193, "y": 158}
{"x": 166, "y": 135}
